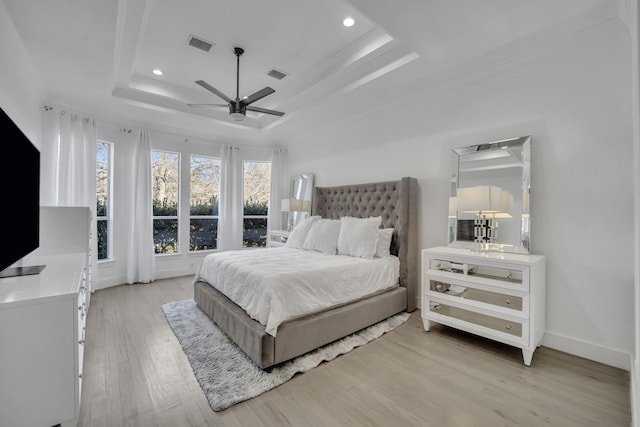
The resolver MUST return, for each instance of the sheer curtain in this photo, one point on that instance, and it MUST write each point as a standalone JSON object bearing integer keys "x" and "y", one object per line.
{"x": 230, "y": 219}
{"x": 279, "y": 187}
{"x": 68, "y": 166}
{"x": 140, "y": 253}
{"x": 68, "y": 172}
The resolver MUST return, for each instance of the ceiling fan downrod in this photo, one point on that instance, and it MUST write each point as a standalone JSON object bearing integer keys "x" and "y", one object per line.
{"x": 238, "y": 51}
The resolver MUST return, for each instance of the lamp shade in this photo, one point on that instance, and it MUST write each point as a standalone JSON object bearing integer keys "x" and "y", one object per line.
{"x": 480, "y": 199}
{"x": 525, "y": 204}
{"x": 453, "y": 207}
{"x": 296, "y": 205}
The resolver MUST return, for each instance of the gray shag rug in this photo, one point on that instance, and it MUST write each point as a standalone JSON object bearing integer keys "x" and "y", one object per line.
{"x": 227, "y": 375}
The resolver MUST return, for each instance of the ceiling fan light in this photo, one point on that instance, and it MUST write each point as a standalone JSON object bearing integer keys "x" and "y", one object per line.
{"x": 238, "y": 117}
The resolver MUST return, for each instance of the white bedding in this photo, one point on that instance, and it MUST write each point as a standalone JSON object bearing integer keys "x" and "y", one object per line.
{"x": 277, "y": 284}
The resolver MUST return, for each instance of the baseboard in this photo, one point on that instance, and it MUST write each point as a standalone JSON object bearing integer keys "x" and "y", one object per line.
{"x": 108, "y": 282}
{"x": 591, "y": 351}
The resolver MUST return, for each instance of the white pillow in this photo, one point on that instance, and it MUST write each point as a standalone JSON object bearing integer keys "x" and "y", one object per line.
{"x": 323, "y": 236}
{"x": 383, "y": 248}
{"x": 300, "y": 231}
{"x": 358, "y": 236}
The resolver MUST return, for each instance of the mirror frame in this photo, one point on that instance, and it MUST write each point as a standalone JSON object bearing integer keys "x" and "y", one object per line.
{"x": 524, "y": 244}
{"x": 298, "y": 192}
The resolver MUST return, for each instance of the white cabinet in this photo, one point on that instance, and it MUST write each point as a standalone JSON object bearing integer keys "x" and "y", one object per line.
{"x": 495, "y": 295}
{"x": 67, "y": 229}
{"x": 277, "y": 238}
{"x": 42, "y": 322}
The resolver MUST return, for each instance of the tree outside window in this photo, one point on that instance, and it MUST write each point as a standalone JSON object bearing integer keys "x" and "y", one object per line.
{"x": 103, "y": 198}
{"x": 166, "y": 191}
{"x": 256, "y": 189}
{"x": 203, "y": 203}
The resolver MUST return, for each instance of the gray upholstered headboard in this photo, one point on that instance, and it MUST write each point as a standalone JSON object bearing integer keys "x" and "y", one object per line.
{"x": 396, "y": 202}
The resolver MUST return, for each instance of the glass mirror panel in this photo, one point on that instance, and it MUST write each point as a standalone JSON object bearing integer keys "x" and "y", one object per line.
{"x": 301, "y": 198}
{"x": 489, "y": 198}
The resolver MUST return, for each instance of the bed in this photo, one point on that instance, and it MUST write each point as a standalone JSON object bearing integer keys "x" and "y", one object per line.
{"x": 270, "y": 341}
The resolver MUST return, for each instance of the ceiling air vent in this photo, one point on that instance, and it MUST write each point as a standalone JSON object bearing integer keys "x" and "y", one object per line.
{"x": 200, "y": 43}
{"x": 276, "y": 74}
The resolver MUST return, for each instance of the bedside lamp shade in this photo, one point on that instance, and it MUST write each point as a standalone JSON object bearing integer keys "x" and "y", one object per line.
{"x": 295, "y": 205}
{"x": 482, "y": 199}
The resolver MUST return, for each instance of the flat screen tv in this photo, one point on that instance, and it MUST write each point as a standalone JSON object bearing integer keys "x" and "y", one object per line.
{"x": 20, "y": 195}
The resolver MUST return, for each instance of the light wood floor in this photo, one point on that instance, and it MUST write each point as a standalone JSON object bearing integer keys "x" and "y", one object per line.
{"x": 135, "y": 374}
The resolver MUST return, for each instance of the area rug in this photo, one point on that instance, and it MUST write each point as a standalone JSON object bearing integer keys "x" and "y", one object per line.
{"x": 227, "y": 375}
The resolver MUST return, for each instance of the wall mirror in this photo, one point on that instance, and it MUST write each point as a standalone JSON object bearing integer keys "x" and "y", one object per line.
{"x": 489, "y": 199}
{"x": 300, "y": 199}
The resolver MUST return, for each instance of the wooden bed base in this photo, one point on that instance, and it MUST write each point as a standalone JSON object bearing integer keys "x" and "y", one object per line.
{"x": 396, "y": 203}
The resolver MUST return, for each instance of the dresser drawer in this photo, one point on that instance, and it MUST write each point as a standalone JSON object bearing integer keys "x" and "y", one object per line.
{"x": 469, "y": 293}
{"x": 497, "y": 324}
{"x": 515, "y": 278}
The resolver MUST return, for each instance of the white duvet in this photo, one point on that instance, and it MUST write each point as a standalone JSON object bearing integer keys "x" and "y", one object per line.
{"x": 277, "y": 284}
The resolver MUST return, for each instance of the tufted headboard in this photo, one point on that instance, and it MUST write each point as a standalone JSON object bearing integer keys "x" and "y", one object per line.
{"x": 396, "y": 202}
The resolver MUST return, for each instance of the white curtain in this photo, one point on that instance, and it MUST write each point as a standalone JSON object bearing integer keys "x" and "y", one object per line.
{"x": 68, "y": 167}
{"x": 230, "y": 219}
{"x": 68, "y": 173}
{"x": 140, "y": 253}
{"x": 279, "y": 188}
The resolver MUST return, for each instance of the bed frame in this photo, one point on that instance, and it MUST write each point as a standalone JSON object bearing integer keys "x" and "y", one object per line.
{"x": 396, "y": 203}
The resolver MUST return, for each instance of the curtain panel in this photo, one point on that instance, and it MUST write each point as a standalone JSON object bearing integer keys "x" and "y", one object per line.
{"x": 140, "y": 249}
{"x": 231, "y": 207}
{"x": 279, "y": 188}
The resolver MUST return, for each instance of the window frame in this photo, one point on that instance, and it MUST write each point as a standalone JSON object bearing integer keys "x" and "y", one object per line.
{"x": 108, "y": 218}
{"x": 263, "y": 238}
{"x": 176, "y": 217}
{"x": 192, "y": 217}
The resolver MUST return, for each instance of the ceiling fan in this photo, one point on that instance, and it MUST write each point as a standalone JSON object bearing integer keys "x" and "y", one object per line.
{"x": 238, "y": 107}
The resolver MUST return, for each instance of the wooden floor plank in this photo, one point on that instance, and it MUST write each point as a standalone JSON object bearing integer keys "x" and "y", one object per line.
{"x": 136, "y": 374}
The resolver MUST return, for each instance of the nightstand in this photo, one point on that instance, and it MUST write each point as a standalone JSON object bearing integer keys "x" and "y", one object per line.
{"x": 277, "y": 238}
{"x": 492, "y": 294}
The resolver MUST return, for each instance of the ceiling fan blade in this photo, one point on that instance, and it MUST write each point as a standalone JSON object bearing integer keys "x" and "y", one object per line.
{"x": 257, "y": 95}
{"x": 207, "y": 105}
{"x": 264, "y": 110}
{"x": 210, "y": 88}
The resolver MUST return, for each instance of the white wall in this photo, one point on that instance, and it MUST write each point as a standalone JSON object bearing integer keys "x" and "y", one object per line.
{"x": 575, "y": 102}
{"x": 21, "y": 89}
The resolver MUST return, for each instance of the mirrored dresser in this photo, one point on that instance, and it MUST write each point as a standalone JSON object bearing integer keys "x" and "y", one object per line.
{"x": 496, "y": 295}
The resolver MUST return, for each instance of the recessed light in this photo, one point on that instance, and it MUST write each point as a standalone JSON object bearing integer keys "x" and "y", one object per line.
{"x": 348, "y": 22}
{"x": 157, "y": 72}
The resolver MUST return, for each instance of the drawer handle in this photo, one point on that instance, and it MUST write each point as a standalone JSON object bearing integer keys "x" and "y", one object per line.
{"x": 508, "y": 327}
{"x": 436, "y": 308}
{"x": 508, "y": 302}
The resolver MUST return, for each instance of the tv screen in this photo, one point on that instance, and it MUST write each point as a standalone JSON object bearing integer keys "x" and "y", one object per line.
{"x": 20, "y": 194}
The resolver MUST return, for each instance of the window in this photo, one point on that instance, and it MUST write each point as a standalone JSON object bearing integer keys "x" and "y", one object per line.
{"x": 103, "y": 198}
{"x": 256, "y": 188}
{"x": 166, "y": 192}
{"x": 203, "y": 203}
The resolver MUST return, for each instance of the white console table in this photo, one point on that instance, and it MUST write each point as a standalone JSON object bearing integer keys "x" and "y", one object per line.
{"x": 42, "y": 320}
{"x": 496, "y": 295}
